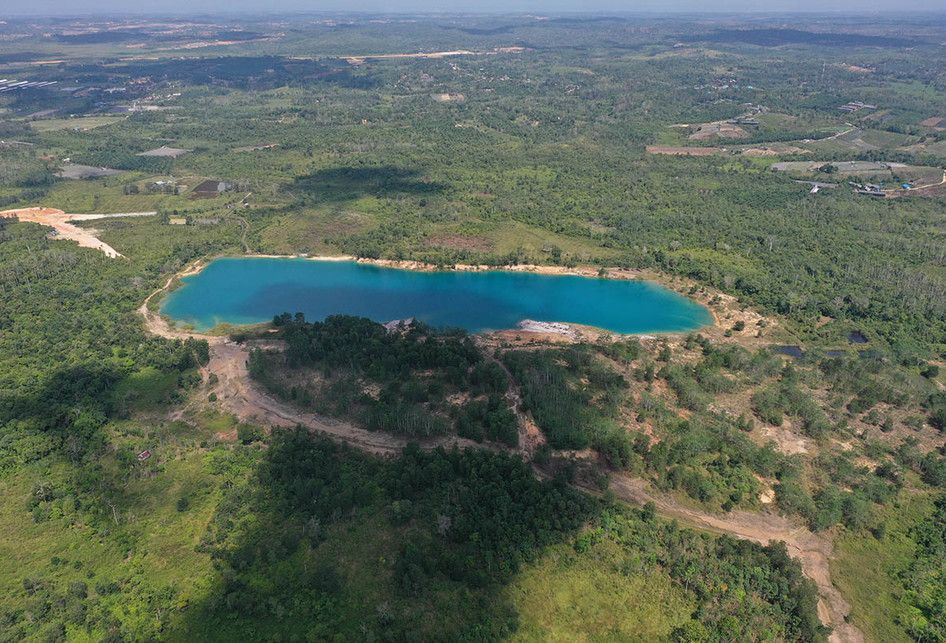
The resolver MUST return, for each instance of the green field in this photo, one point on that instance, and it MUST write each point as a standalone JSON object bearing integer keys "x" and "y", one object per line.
{"x": 80, "y": 124}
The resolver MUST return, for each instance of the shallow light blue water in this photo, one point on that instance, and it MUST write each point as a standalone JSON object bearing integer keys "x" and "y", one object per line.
{"x": 242, "y": 290}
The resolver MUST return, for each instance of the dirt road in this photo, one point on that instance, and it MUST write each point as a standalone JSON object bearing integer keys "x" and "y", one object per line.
{"x": 812, "y": 550}
{"x": 60, "y": 222}
{"x": 237, "y": 394}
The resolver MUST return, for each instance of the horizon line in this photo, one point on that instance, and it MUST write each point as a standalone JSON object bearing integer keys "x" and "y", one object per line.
{"x": 471, "y": 13}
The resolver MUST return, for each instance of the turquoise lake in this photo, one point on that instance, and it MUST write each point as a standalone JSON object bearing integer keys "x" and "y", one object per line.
{"x": 242, "y": 290}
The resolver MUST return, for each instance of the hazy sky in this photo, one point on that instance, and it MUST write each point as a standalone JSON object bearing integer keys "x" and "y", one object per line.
{"x": 76, "y": 7}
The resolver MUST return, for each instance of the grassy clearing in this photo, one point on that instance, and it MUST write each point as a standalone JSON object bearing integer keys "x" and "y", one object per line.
{"x": 64, "y": 549}
{"x": 81, "y": 124}
{"x": 510, "y": 236}
{"x": 589, "y": 597}
{"x": 106, "y": 196}
{"x": 312, "y": 231}
{"x": 872, "y": 588}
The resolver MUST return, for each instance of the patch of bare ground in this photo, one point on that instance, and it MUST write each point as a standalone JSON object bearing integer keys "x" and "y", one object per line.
{"x": 721, "y": 129}
{"x": 766, "y": 151}
{"x": 630, "y": 424}
{"x": 857, "y": 69}
{"x": 256, "y": 148}
{"x": 449, "y": 98}
{"x": 61, "y": 224}
{"x": 930, "y": 191}
{"x": 787, "y": 439}
{"x": 526, "y": 339}
{"x": 433, "y": 55}
{"x": 227, "y": 436}
{"x": 729, "y": 313}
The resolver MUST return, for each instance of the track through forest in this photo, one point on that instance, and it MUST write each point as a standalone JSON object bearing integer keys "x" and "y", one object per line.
{"x": 237, "y": 394}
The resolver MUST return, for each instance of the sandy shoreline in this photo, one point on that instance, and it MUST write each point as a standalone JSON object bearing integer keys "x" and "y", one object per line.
{"x": 422, "y": 266}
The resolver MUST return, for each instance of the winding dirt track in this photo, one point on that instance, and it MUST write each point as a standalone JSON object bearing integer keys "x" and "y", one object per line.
{"x": 812, "y": 550}
{"x": 236, "y": 394}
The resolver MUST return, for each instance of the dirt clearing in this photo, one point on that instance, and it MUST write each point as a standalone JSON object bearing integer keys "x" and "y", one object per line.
{"x": 165, "y": 152}
{"x": 59, "y": 221}
{"x": 76, "y": 171}
{"x": 721, "y": 129}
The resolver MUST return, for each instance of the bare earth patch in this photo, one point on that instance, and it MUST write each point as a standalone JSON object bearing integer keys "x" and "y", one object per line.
{"x": 723, "y": 129}
{"x": 165, "y": 152}
{"x": 59, "y": 221}
{"x": 775, "y": 150}
{"x": 433, "y": 55}
{"x": 857, "y": 69}
{"x": 75, "y": 171}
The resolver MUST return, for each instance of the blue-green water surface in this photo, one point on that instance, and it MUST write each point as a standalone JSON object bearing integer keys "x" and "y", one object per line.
{"x": 242, "y": 290}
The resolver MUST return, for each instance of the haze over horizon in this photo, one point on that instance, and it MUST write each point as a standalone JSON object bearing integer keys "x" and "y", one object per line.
{"x": 91, "y": 7}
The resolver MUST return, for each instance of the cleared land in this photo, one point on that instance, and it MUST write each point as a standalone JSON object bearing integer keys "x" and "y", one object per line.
{"x": 60, "y": 222}
{"x": 76, "y": 171}
{"x": 165, "y": 152}
{"x": 256, "y": 148}
{"x": 361, "y": 59}
{"x": 81, "y": 124}
{"x": 709, "y": 131}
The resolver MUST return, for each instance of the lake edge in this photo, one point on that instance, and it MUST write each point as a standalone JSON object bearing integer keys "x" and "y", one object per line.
{"x": 650, "y": 278}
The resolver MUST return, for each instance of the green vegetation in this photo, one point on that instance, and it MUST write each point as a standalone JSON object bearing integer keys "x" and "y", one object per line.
{"x": 399, "y": 380}
{"x": 152, "y": 514}
{"x": 574, "y": 400}
{"x": 899, "y": 596}
{"x": 453, "y": 530}
{"x": 517, "y": 171}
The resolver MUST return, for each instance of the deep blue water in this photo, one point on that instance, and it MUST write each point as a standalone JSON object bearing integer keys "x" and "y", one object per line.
{"x": 251, "y": 290}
